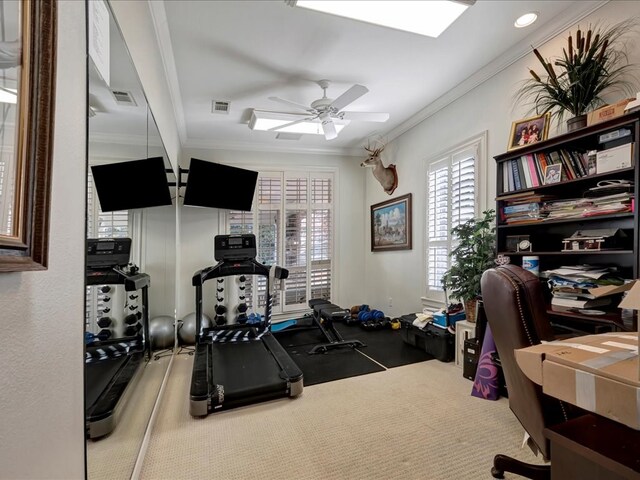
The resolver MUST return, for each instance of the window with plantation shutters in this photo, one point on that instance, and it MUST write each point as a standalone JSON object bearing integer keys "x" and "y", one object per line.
{"x": 101, "y": 225}
{"x": 292, "y": 219}
{"x": 451, "y": 200}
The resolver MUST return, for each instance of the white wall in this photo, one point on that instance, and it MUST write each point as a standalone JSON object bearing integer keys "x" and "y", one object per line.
{"x": 488, "y": 107}
{"x": 199, "y": 225}
{"x": 159, "y": 258}
{"x": 41, "y": 346}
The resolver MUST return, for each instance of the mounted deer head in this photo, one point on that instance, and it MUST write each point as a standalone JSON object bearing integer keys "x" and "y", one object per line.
{"x": 387, "y": 176}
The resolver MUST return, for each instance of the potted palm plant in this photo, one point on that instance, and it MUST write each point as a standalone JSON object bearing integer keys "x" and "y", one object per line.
{"x": 474, "y": 253}
{"x": 592, "y": 65}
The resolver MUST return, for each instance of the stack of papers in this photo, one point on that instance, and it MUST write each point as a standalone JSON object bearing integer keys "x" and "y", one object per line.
{"x": 582, "y": 286}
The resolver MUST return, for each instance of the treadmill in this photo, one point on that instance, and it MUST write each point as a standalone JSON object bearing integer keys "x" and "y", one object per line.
{"x": 239, "y": 364}
{"x": 112, "y": 366}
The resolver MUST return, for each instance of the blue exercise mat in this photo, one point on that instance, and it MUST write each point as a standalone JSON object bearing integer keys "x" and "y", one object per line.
{"x": 277, "y": 327}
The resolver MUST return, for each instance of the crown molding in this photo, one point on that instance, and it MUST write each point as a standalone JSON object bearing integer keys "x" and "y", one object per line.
{"x": 547, "y": 32}
{"x": 252, "y": 147}
{"x": 163, "y": 36}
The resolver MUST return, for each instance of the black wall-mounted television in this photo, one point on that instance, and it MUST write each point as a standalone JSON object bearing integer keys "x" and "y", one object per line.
{"x": 219, "y": 186}
{"x": 132, "y": 184}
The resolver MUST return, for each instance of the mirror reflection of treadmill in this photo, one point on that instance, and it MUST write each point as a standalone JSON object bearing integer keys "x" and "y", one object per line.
{"x": 239, "y": 364}
{"x": 112, "y": 366}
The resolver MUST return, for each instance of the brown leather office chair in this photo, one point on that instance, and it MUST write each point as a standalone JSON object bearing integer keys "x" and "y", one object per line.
{"x": 516, "y": 312}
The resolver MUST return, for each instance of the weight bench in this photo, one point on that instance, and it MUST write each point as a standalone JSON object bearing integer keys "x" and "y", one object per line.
{"x": 324, "y": 314}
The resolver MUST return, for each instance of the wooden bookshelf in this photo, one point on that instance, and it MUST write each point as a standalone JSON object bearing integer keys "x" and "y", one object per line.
{"x": 546, "y": 235}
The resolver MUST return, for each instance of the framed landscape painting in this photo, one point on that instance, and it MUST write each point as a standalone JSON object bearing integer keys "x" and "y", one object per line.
{"x": 391, "y": 224}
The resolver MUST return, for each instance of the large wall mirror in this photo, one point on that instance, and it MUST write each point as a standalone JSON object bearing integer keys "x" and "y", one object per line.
{"x": 130, "y": 275}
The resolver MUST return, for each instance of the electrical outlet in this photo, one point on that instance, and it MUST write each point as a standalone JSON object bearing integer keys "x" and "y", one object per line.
{"x": 390, "y": 302}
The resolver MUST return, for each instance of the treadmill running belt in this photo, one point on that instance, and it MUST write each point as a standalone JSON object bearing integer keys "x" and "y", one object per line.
{"x": 254, "y": 373}
{"x": 98, "y": 375}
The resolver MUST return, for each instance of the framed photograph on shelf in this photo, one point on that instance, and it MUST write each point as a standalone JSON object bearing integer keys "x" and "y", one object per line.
{"x": 529, "y": 131}
{"x": 552, "y": 173}
{"x": 391, "y": 224}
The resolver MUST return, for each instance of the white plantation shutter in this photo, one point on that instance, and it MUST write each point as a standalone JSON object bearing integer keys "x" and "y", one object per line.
{"x": 101, "y": 225}
{"x": 451, "y": 200}
{"x": 293, "y": 222}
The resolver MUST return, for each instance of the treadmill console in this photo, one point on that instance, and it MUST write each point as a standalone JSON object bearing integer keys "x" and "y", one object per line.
{"x": 108, "y": 252}
{"x": 235, "y": 247}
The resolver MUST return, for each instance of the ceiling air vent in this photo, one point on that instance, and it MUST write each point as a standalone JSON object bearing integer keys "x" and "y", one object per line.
{"x": 124, "y": 98}
{"x": 220, "y": 107}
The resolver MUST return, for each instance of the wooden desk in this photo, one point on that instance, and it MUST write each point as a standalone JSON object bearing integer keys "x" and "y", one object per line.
{"x": 592, "y": 447}
{"x": 612, "y": 320}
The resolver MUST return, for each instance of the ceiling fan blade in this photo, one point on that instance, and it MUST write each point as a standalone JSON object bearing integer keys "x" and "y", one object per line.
{"x": 291, "y": 104}
{"x": 349, "y": 96}
{"x": 328, "y": 127}
{"x": 365, "y": 116}
{"x": 280, "y": 127}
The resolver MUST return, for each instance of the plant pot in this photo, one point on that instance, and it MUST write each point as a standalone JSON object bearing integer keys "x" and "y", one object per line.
{"x": 470, "y": 310}
{"x": 575, "y": 123}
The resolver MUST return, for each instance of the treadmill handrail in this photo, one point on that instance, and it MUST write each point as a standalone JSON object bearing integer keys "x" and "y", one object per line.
{"x": 227, "y": 268}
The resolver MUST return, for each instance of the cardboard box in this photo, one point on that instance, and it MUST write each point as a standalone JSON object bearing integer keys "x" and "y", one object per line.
{"x": 615, "y": 158}
{"x": 632, "y": 301}
{"x": 598, "y": 373}
{"x": 608, "y": 112}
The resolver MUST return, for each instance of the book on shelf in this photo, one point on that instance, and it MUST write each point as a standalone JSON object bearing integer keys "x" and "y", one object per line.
{"x": 533, "y": 173}
{"x": 524, "y": 167}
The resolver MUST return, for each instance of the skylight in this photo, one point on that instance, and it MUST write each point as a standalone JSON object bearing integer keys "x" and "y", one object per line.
{"x": 263, "y": 120}
{"x": 429, "y": 18}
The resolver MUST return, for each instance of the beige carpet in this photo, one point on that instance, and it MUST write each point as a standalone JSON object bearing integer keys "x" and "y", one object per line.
{"x": 113, "y": 457}
{"x": 412, "y": 422}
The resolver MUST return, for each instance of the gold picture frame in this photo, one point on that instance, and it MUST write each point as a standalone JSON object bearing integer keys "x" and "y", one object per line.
{"x": 24, "y": 240}
{"x": 391, "y": 224}
{"x": 529, "y": 131}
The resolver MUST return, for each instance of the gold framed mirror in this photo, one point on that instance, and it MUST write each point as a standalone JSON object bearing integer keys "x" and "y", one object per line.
{"x": 27, "y": 96}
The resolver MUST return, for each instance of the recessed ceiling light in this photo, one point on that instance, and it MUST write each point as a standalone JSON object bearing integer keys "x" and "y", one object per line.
{"x": 526, "y": 20}
{"x": 429, "y": 18}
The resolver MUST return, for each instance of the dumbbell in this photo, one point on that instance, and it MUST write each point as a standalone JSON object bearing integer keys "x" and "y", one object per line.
{"x": 131, "y": 319}
{"x": 132, "y": 330}
{"x": 104, "y": 335}
{"x": 221, "y": 309}
{"x": 133, "y": 297}
{"x": 241, "y": 308}
{"x": 133, "y": 307}
{"x": 105, "y": 322}
{"x": 106, "y": 299}
{"x": 242, "y": 318}
{"x": 221, "y": 319}
{"x": 105, "y": 289}
{"x": 106, "y": 310}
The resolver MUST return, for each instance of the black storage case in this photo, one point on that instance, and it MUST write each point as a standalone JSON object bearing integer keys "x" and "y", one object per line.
{"x": 436, "y": 341}
{"x": 471, "y": 357}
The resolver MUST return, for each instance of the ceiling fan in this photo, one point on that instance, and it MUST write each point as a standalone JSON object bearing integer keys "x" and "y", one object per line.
{"x": 326, "y": 110}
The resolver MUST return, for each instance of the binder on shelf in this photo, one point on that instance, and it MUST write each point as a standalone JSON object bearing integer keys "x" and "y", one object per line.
{"x": 515, "y": 168}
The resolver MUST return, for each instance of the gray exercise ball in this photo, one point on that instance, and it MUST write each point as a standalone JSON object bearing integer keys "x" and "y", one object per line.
{"x": 161, "y": 332}
{"x": 187, "y": 331}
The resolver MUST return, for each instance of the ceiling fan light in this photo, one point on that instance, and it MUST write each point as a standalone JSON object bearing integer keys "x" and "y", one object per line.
{"x": 264, "y": 121}
{"x": 429, "y": 18}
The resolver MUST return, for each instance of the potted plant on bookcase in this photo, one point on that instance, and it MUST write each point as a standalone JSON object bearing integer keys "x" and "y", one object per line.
{"x": 575, "y": 82}
{"x": 474, "y": 253}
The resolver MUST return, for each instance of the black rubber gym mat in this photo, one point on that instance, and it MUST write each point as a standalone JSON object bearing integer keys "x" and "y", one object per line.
{"x": 384, "y": 346}
{"x": 333, "y": 365}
